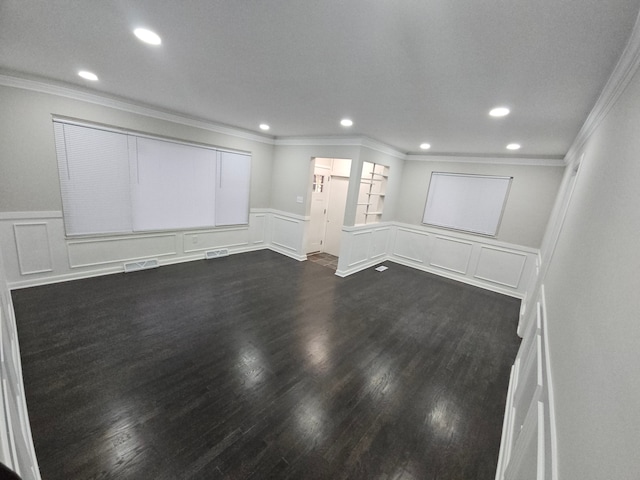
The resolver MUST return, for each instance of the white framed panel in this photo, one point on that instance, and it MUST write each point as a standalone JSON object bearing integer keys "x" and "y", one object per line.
{"x": 32, "y": 245}
{"x": 379, "y": 242}
{"x": 359, "y": 246}
{"x": 500, "y": 266}
{"x": 286, "y": 233}
{"x": 99, "y": 251}
{"x": 452, "y": 255}
{"x": 207, "y": 240}
{"x": 411, "y": 245}
{"x": 257, "y": 228}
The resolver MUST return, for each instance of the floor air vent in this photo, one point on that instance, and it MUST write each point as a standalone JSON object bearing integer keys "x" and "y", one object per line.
{"x": 141, "y": 265}
{"x": 223, "y": 252}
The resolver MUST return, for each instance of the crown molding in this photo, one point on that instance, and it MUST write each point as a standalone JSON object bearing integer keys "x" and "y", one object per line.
{"x": 340, "y": 141}
{"x": 128, "y": 106}
{"x": 622, "y": 74}
{"x": 491, "y": 160}
{"x": 378, "y": 146}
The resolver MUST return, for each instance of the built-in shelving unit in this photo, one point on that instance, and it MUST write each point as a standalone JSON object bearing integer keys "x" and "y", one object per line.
{"x": 373, "y": 186}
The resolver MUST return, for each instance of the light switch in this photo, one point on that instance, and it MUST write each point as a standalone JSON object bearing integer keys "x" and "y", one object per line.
{"x": 299, "y": 199}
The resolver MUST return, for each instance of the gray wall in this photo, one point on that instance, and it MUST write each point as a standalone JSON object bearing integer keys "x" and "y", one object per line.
{"x": 292, "y": 176}
{"x": 593, "y": 303}
{"x": 28, "y": 165}
{"x": 292, "y": 173}
{"x": 531, "y": 198}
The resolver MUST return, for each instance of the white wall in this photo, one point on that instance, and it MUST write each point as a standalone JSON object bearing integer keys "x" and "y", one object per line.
{"x": 593, "y": 304}
{"x": 531, "y": 198}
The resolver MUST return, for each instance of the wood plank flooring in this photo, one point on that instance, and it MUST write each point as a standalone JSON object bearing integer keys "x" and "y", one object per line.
{"x": 256, "y": 366}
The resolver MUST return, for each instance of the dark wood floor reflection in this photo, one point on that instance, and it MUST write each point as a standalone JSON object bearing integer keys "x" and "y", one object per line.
{"x": 256, "y": 366}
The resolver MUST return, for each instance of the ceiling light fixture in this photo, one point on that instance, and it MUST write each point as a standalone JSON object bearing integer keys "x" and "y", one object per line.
{"x": 147, "y": 36}
{"x": 425, "y": 146}
{"x": 499, "y": 112}
{"x": 264, "y": 126}
{"x": 88, "y": 75}
{"x": 345, "y": 122}
{"x": 513, "y": 146}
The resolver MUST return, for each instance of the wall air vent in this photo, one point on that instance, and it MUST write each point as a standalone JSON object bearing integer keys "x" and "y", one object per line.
{"x": 223, "y": 252}
{"x": 141, "y": 265}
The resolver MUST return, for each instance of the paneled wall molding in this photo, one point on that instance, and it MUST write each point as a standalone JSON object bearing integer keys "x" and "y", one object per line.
{"x": 16, "y": 444}
{"x": 106, "y": 101}
{"x": 529, "y": 442}
{"x": 33, "y": 247}
{"x": 478, "y": 261}
{"x": 37, "y": 251}
{"x": 465, "y": 236}
{"x": 30, "y": 215}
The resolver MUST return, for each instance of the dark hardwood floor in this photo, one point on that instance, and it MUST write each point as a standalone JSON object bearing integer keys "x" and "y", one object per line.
{"x": 256, "y": 366}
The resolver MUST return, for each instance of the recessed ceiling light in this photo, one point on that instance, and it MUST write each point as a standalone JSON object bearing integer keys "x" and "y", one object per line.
{"x": 513, "y": 146}
{"x": 499, "y": 112}
{"x": 345, "y": 122}
{"x": 264, "y": 126}
{"x": 425, "y": 146}
{"x": 147, "y": 36}
{"x": 88, "y": 75}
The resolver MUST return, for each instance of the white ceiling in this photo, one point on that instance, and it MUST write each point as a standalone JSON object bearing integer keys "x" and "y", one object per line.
{"x": 405, "y": 71}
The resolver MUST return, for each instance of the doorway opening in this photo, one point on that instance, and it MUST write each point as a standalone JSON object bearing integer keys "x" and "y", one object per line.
{"x": 329, "y": 185}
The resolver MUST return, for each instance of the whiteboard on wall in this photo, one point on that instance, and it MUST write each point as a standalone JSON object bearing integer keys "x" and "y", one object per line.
{"x": 471, "y": 203}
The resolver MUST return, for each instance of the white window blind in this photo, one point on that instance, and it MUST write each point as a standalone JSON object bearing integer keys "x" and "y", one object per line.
{"x": 120, "y": 182}
{"x": 94, "y": 179}
{"x": 471, "y": 203}
{"x": 174, "y": 186}
{"x": 232, "y": 192}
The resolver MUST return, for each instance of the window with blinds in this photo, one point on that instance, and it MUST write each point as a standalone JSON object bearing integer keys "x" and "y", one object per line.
{"x": 117, "y": 182}
{"x": 470, "y": 203}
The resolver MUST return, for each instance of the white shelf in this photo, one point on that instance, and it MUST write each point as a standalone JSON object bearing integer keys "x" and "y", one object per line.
{"x": 373, "y": 183}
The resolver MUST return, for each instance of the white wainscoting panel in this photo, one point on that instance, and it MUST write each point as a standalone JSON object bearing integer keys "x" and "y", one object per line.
{"x": 201, "y": 240}
{"x": 360, "y": 246}
{"x": 500, "y": 266}
{"x": 257, "y": 228}
{"x": 36, "y": 250}
{"x": 32, "y": 245}
{"x": 528, "y": 446}
{"x": 472, "y": 259}
{"x": 451, "y": 254}
{"x": 379, "y": 242}
{"x": 412, "y": 245}
{"x": 287, "y": 233}
{"x": 16, "y": 443}
{"x": 101, "y": 251}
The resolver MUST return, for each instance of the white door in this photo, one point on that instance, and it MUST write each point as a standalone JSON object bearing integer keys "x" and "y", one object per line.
{"x": 336, "y": 205}
{"x": 318, "y": 214}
